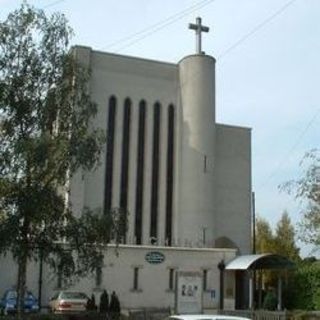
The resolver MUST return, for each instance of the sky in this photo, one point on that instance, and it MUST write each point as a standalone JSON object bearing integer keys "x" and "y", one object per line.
{"x": 267, "y": 70}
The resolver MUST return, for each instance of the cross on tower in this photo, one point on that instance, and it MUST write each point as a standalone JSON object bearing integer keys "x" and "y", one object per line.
{"x": 198, "y": 28}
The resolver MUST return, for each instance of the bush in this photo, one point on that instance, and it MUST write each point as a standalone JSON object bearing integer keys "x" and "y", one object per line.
{"x": 303, "y": 291}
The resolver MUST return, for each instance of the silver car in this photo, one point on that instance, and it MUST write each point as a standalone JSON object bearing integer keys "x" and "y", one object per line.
{"x": 68, "y": 302}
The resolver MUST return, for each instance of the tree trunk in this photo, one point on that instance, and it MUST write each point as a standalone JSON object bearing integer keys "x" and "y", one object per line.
{"x": 21, "y": 285}
{"x": 22, "y": 266}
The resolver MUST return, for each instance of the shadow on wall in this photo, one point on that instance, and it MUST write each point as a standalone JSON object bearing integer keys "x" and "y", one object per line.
{"x": 225, "y": 242}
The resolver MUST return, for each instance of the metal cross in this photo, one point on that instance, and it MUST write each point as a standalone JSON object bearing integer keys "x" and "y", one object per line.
{"x": 198, "y": 28}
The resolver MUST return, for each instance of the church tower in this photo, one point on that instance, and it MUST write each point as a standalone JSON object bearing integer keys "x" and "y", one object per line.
{"x": 197, "y": 159}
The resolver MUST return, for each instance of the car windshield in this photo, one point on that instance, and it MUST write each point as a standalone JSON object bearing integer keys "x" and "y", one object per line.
{"x": 73, "y": 295}
{"x": 13, "y": 295}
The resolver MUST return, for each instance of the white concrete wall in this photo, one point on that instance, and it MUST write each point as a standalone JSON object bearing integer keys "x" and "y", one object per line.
{"x": 118, "y": 275}
{"x": 136, "y": 79}
{"x": 9, "y": 275}
{"x": 233, "y": 185}
{"x": 216, "y": 200}
{"x": 190, "y": 87}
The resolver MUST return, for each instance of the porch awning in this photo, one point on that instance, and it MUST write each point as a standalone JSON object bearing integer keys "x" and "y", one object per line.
{"x": 260, "y": 261}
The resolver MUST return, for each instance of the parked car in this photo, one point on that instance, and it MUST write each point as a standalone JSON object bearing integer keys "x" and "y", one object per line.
{"x": 68, "y": 302}
{"x": 205, "y": 317}
{"x": 8, "y": 303}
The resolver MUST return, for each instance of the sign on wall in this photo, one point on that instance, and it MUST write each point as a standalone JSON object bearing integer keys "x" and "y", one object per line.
{"x": 155, "y": 257}
{"x": 188, "y": 292}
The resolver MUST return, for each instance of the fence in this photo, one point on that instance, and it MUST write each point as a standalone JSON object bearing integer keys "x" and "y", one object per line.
{"x": 149, "y": 314}
{"x": 260, "y": 314}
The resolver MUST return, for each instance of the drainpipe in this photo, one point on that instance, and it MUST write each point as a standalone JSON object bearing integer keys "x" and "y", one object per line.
{"x": 251, "y": 289}
{"x": 221, "y": 267}
{"x": 254, "y": 251}
{"x": 279, "y": 307}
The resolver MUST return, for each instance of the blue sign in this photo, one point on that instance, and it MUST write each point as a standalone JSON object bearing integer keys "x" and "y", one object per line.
{"x": 155, "y": 257}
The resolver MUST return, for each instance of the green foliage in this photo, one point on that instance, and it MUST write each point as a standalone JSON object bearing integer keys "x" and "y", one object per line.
{"x": 307, "y": 189}
{"x": 284, "y": 239}
{"x": 281, "y": 242}
{"x": 303, "y": 291}
{"x": 270, "y": 301}
{"x": 264, "y": 236}
{"x": 45, "y": 113}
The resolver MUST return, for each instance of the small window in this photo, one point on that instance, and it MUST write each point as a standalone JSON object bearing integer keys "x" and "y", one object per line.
{"x": 171, "y": 279}
{"x": 59, "y": 277}
{"x": 205, "y": 280}
{"x": 98, "y": 276}
{"x": 135, "y": 278}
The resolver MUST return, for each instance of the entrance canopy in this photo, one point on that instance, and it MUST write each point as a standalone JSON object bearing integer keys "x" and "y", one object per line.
{"x": 260, "y": 261}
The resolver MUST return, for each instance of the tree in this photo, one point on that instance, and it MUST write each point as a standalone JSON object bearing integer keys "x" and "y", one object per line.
{"x": 304, "y": 287}
{"x": 45, "y": 114}
{"x": 307, "y": 189}
{"x": 264, "y": 244}
{"x": 264, "y": 236}
{"x": 281, "y": 242}
{"x": 285, "y": 239}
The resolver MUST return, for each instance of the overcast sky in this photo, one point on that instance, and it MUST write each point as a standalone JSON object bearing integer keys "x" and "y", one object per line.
{"x": 267, "y": 71}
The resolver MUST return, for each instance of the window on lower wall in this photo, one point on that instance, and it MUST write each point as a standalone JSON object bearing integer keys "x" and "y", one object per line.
{"x": 98, "y": 276}
{"x": 59, "y": 277}
{"x": 135, "y": 279}
{"x": 171, "y": 279}
{"x": 205, "y": 280}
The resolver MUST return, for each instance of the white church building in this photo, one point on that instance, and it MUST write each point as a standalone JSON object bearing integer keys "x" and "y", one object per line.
{"x": 184, "y": 179}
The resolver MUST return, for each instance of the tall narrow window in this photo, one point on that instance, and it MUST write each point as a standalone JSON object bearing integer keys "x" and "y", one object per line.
{"x": 125, "y": 155}
{"x": 98, "y": 276}
{"x": 125, "y": 158}
{"x": 170, "y": 159}
{"x": 109, "y": 154}
{"x": 155, "y": 171}
{"x": 59, "y": 277}
{"x": 171, "y": 279}
{"x": 135, "y": 278}
{"x": 140, "y": 167}
{"x": 205, "y": 280}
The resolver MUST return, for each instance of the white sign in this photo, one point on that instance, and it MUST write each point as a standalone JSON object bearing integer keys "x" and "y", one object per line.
{"x": 188, "y": 292}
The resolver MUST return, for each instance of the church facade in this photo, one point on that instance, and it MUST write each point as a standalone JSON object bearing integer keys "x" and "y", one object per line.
{"x": 183, "y": 178}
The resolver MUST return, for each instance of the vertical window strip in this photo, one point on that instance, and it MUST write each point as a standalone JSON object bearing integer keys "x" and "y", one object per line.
{"x": 140, "y": 167}
{"x": 125, "y": 160}
{"x": 125, "y": 155}
{"x": 98, "y": 276}
{"x": 170, "y": 168}
{"x": 109, "y": 154}
{"x": 136, "y": 278}
{"x": 155, "y": 172}
{"x": 205, "y": 280}
{"x": 59, "y": 277}
{"x": 171, "y": 279}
